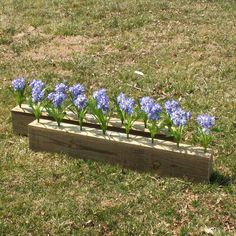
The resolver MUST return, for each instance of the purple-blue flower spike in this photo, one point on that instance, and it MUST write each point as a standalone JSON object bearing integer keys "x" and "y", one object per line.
{"x": 100, "y": 108}
{"x": 80, "y": 104}
{"x": 37, "y": 95}
{"x": 120, "y": 98}
{"x": 56, "y": 108}
{"x": 76, "y": 90}
{"x": 99, "y": 93}
{"x": 18, "y": 84}
{"x": 126, "y": 106}
{"x": 152, "y": 113}
{"x": 37, "y": 92}
{"x": 61, "y": 88}
{"x": 102, "y": 100}
{"x": 206, "y": 122}
{"x": 18, "y": 87}
{"x": 57, "y": 98}
{"x": 37, "y": 84}
{"x": 179, "y": 118}
{"x": 145, "y": 105}
{"x": 171, "y": 106}
{"x": 81, "y": 101}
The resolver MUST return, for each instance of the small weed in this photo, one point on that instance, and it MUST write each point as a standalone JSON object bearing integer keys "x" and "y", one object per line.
{"x": 184, "y": 231}
{"x": 68, "y": 29}
{"x": 5, "y": 40}
{"x": 17, "y": 48}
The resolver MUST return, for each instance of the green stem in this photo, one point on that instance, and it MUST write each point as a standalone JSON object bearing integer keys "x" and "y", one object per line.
{"x": 81, "y": 123}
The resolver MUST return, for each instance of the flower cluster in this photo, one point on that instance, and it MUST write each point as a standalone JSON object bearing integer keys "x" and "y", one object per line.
{"x": 37, "y": 95}
{"x": 76, "y": 90}
{"x": 56, "y": 107}
{"x": 61, "y": 88}
{"x": 37, "y": 90}
{"x": 18, "y": 89}
{"x": 151, "y": 113}
{"x": 81, "y": 101}
{"x": 206, "y": 122}
{"x": 125, "y": 109}
{"x": 120, "y": 98}
{"x": 102, "y": 100}
{"x": 100, "y": 109}
{"x": 154, "y": 112}
{"x": 150, "y": 108}
{"x": 37, "y": 84}
{"x": 57, "y": 98}
{"x": 171, "y": 106}
{"x": 145, "y": 103}
{"x": 180, "y": 117}
{"x": 77, "y": 93}
{"x": 126, "y": 104}
{"x": 18, "y": 84}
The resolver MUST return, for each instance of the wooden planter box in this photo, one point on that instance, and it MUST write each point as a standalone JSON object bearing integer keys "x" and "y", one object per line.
{"x": 138, "y": 153}
{"x": 21, "y": 117}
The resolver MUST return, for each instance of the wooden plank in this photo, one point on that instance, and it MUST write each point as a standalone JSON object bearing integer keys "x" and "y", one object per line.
{"x": 138, "y": 153}
{"x": 21, "y": 119}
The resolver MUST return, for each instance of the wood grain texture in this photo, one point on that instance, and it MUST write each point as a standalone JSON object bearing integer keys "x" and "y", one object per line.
{"x": 138, "y": 153}
{"x": 21, "y": 117}
{"x": 21, "y": 126}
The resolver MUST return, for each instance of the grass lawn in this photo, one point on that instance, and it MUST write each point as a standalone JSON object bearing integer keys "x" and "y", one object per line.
{"x": 186, "y": 50}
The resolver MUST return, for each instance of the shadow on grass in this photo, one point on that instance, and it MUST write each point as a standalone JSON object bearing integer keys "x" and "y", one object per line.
{"x": 218, "y": 178}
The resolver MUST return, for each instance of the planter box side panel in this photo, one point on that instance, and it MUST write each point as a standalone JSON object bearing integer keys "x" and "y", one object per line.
{"x": 20, "y": 122}
{"x": 136, "y": 157}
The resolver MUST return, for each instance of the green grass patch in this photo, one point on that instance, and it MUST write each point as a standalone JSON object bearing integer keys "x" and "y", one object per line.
{"x": 186, "y": 50}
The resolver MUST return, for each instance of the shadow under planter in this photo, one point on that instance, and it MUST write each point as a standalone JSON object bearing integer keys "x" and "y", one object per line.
{"x": 137, "y": 153}
{"x": 222, "y": 180}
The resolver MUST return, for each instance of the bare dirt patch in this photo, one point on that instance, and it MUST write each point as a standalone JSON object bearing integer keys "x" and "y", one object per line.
{"x": 36, "y": 45}
{"x": 59, "y": 48}
{"x": 30, "y": 32}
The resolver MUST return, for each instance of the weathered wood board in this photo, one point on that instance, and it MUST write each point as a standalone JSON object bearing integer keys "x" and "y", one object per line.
{"x": 138, "y": 153}
{"x": 21, "y": 117}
